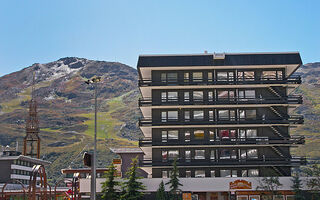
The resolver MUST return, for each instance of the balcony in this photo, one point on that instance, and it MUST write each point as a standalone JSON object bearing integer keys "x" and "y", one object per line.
{"x": 292, "y": 119}
{"x": 291, "y": 161}
{"x": 290, "y": 80}
{"x": 292, "y": 99}
{"x": 147, "y": 142}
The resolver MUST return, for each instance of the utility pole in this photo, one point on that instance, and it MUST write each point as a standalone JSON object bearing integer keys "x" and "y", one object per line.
{"x": 94, "y": 81}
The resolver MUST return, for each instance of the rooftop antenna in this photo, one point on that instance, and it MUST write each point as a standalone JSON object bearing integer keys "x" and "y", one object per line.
{"x": 31, "y": 144}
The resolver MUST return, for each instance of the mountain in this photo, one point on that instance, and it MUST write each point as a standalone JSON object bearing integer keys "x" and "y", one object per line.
{"x": 66, "y": 109}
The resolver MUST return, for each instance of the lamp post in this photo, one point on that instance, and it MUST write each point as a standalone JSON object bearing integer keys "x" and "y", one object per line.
{"x": 95, "y": 82}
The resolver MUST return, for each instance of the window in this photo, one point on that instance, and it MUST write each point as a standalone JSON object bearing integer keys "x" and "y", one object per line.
{"x": 248, "y": 133}
{"x": 199, "y": 154}
{"x": 187, "y": 136}
{"x": 164, "y": 136}
{"x": 278, "y": 197}
{"x": 244, "y": 173}
{"x": 164, "y": 174}
{"x": 246, "y": 94}
{"x": 234, "y": 173}
{"x": 211, "y": 116}
{"x": 212, "y": 154}
{"x": 210, "y": 76}
{"x": 173, "y": 154}
{"x": 187, "y": 116}
{"x": 186, "y": 76}
{"x": 198, "y": 95}
{"x": 248, "y": 153}
{"x": 247, "y": 114}
{"x": 227, "y": 133}
{"x": 173, "y": 134}
{"x": 210, "y": 96}
{"x": 186, "y": 97}
{"x": 228, "y": 154}
{"x": 164, "y": 156}
{"x": 212, "y": 173}
{"x": 225, "y": 76}
{"x": 211, "y": 135}
{"x": 188, "y": 155}
{"x": 172, "y": 96}
{"x": 225, "y": 173}
{"x": 169, "y": 116}
{"x": 272, "y": 75}
{"x": 226, "y": 95}
{"x": 199, "y": 174}
{"x": 188, "y": 174}
{"x": 169, "y": 77}
{"x": 246, "y": 76}
{"x": 198, "y": 134}
{"x": 253, "y": 172}
{"x": 197, "y": 76}
{"x": 198, "y": 114}
{"x": 227, "y": 115}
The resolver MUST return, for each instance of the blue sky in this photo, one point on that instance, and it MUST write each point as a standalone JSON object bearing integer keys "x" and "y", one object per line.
{"x": 119, "y": 30}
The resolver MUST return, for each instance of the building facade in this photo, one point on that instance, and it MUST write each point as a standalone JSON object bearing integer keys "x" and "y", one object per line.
{"x": 219, "y": 115}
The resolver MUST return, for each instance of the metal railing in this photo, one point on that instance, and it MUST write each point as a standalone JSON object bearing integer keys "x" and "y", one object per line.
{"x": 292, "y": 99}
{"x": 290, "y": 161}
{"x": 292, "y": 119}
{"x": 233, "y": 81}
{"x": 147, "y": 141}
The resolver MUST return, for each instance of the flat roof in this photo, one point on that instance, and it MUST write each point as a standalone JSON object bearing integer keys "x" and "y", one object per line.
{"x": 65, "y": 171}
{"x": 26, "y": 158}
{"x": 230, "y": 59}
{"x": 126, "y": 150}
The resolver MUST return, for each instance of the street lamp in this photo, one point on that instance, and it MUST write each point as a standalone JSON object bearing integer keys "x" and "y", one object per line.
{"x": 95, "y": 82}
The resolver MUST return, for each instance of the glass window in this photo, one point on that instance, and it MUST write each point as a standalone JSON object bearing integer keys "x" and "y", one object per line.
{"x": 211, "y": 115}
{"x": 188, "y": 174}
{"x": 253, "y": 172}
{"x": 212, "y": 173}
{"x": 172, "y": 77}
{"x": 242, "y": 114}
{"x": 242, "y": 133}
{"x": 187, "y": 136}
{"x": 290, "y": 197}
{"x": 223, "y": 94}
{"x": 251, "y": 133}
{"x": 163, "y": 77}
{"x": 163, "y": 97}
{"x": 212, "y": 154}
{"x": 225, "y": 173}
{"x": 233, "y": 154}
{"x": 173, "y": 154}
{"x": 199, "y": 154}
{"x": 173, "y": 134}
{"x": 224, "y": 133}
{"x": 252, "y": 153}
{"x": 164, "y": 174}
{"x": 187, "y": 116}
{"x": 224, "y": 154}
{"x": 188, "y": 155}
{"x": 186, "y": 77}
{"x": 210, "y": 96}
{"x": 163, "y": 116}
{"x": 249, "y": 75}
{"x": 164, "y": 136}
{"x": 198, "y": 114}
{"x": 251, "y": 114}
{"x": 234, "y": 173}
{"x": 198, "y": 95}
{"x": 172, "y": 115}
{"x": 223, "y": 114}
{"x": 164, "y": 156}
{"x": 199, "y": 134}
{"x": 222, "y": 76}
{"x": 250, "y": 94}
{"x": 210, "y": 77}
{"x": 211, "y": 135}
{"x": 186, "y": 97}
{"x": 244, "y": 173}
{"x": 199, "y": 174}
{"x": 197, "y": 76}
{"x": 278, "y": 197}
{"x": 243, "y": 154}
{"x": 269, "y": 74}
{"x": 172, "y": 96}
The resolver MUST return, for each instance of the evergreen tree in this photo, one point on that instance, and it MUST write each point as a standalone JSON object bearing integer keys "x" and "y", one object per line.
{"x": 108, "y": 187}
{"x": 132, "y": 188}
{"x": 161, "y": 193}
{"x": 271, "y": 185}
{"x": 297, "y": 185}
{"x": 174, "y": 182}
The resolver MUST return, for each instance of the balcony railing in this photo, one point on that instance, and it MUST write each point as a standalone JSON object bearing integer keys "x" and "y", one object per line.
{"x": 147, "y": 141}
{"x": 249, "y": 80}
{"x": 292, "y": 119}
{"x": 292, "y": 161}
{"x": 292, "y": 99}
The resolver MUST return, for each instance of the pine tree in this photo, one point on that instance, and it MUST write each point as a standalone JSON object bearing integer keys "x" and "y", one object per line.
{"x": 297, "y": 185}
{"x": 108, "y": 187}
{"x": 132, "y": 188}
{"x": 174, "y": 182}
{"x": 161, "y": 193}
